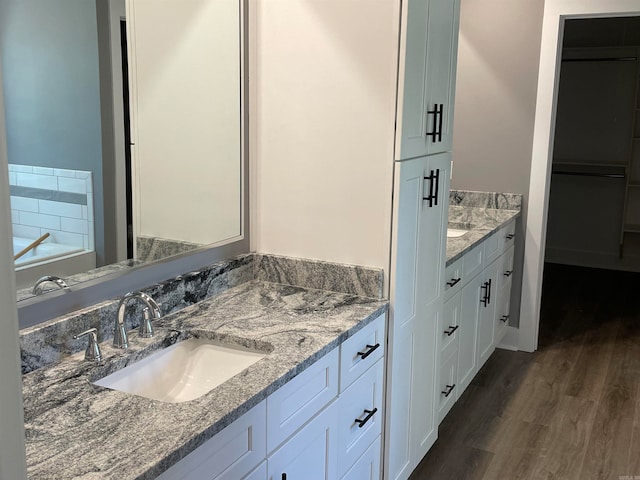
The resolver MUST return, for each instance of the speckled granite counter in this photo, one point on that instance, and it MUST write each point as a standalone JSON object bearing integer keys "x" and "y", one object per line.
{"x": 483, "y": 214}
{"x": 77, "y": 430}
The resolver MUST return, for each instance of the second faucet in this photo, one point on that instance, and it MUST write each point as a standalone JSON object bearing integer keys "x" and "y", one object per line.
{"x": 150, "y": 311}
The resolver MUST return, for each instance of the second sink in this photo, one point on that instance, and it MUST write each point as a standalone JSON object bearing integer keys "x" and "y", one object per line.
{"x": 182, "y": 372}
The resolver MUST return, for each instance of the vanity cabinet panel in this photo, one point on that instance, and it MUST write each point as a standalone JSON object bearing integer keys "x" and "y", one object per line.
{"x": 428, "y": 70}
{"x": 368, "y": 465}
{"x": 231, "y": 454}
{"x": 417, "y": 291}
{"x": 453, "y": 279}
{"x": 449, "y": 327}
{"x": 310, "y": 454}
{"x": 505, "y": 271}
{"x": 486, "y": 319}
{"x": 472, "y": 263}
{"x": 503, "y": 312}
{"x": 359, "y": 352}
{"x": 292, "y": 405}
{"x": 259, "y": 473}
{"x": 360, "y": 421}
{"x": 467, "y": 348}
{"x": 448, "y": 384}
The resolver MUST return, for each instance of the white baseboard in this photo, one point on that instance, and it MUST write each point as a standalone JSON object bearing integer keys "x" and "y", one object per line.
{"x": 510, "y": 340}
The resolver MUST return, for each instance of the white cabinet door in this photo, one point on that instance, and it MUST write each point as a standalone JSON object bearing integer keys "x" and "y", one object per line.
{"x": 468, "y": 332}
{"x": 442, "y": 56}
{"x": 417, "y": 286}
{"x": 486, "y": 320}
{"x": 368, "y": 465}
{"x": 311, "y": 454}
{"x": 428, "y": 68}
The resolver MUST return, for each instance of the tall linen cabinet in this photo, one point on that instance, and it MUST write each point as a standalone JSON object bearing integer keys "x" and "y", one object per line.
{"x": 351, "y": 107}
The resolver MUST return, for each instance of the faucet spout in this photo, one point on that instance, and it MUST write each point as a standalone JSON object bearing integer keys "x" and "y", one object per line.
{"x": 151, "y": 311}
{"x": 38, "y": 288}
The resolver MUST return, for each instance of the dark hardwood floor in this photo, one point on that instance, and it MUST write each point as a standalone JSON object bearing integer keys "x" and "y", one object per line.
{"x": 571, "y": 410}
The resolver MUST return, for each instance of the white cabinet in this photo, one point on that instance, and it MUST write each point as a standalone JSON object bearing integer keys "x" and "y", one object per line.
{"x": 475, "y": 317}
{"x": 291, "y": 406}
{"x": 368, "y": 465}
{"x": 417, "y": 289}
{"x": 428, "y": 71}
{"x": 229, "y": 455}
{"x": 312, "y": 453}
{"x": 486, "y": 320}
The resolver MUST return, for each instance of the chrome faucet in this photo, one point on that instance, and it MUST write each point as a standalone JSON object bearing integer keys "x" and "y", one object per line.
{"x": 38, "y": 287}
{"x": 151, "y": 310}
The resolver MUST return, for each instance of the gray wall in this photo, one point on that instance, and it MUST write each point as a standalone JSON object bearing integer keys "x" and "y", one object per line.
{"x": 52, "y": 88}
{"x": 498, "y": 57}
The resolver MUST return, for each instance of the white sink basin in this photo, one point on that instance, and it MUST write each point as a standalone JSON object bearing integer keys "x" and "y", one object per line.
{"x": 455, "y": 232}
{"x": 182, "y": 372}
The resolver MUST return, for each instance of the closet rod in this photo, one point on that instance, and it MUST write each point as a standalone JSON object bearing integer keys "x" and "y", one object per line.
{"x": 601, "y": 59}
{"x": 589, "y": 174}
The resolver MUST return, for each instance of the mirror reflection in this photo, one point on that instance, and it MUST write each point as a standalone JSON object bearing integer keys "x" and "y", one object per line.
{"x": 123, "y": 131}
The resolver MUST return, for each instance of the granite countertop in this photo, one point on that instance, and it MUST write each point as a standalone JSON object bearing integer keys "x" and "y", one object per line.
{"x": 481, "y": 223}
{"x": 75, "y": 429}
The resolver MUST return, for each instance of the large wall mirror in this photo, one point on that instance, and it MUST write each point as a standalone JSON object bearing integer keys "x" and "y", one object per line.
{"x": 125, "y": 136}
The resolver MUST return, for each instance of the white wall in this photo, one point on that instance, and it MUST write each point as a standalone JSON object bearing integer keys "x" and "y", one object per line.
{"x": 12, "y": 452}
{"x": 554, "y": 12}
{"x": 186, "y": 118}
{"x": 498, "y": 56}
{"x": 322, "y": 123}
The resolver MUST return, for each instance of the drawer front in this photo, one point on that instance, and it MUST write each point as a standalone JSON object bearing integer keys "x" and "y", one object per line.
{"x": 291, "y": 406}
{"x": 360, "y": 420}
{"x": 503, "y": 312}
{"x": 453, "y": 278}
{"x": 311, "y": 454}
{"x": 493, "y": 246}
{"x": 448, "y": 388}
{"x": 450, "y": 326}
{"x": 361, "y": 351}
{"x": 368, "y": 465}
{"x": 472, "y": 263}
{"x": 505, "y": 273}
{"x": 230, "y": 454}
{"x": 509, "y": 234}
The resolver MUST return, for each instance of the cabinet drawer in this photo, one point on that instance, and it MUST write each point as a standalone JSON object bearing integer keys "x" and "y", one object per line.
{"x": 505, "y": 272}
{"x": 368, "y": 465}
{"x": 311, "y": 454}
{"x": 360, "y": 420}
{"x": 472, "y": 263}
{"x": 493, "y": 246}
{"x": 361, "y": 351}
{"x": 450, "y": 326}
{"x": 453, "y": 278}
{"x": 259, "y": 473}
{"x": 503, "y": 312}
{"x": 230, "y": 454}
{"x": 448, "y": 388}
{"x": 509, "y": 234}
{"x": 296, "y": 402}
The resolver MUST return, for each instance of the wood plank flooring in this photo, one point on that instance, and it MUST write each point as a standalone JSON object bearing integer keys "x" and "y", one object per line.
{"x": 569, "y": 411}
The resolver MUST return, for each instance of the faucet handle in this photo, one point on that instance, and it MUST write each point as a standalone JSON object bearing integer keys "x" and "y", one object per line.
{"x": 93, "y": 353}
{"x": 146, "y": 329}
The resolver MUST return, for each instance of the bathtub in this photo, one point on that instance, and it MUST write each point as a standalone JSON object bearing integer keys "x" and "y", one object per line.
{"x": 49, "y": 258}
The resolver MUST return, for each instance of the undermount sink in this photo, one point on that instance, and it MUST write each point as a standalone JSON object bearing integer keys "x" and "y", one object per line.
{"x": 455, "y": 232}
{"x": 182, "y": 372}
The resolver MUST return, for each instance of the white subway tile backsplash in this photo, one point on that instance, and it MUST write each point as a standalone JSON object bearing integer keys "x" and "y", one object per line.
{"x": 74, "y": 225}
{"x": 85, "y": 213}
{"x": 89, "y": 184}
{"x": 24, "y": 204}
{"x": 74, "y": 185}
{"x": 62, "y": 172}
{"x": 85, "y": 242}
{"x": 36, "y": 181}
{"x": 66, "y": 238}
{"x": 43, "y": 170}
{"x": 61, "y": 209}
{"x": 40, "y": 220}
{"x": 20, "y": 168}
{"x": 82, "y": 174}
{"x": 12, "y": 178}
{"x": 26, "y": 232}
